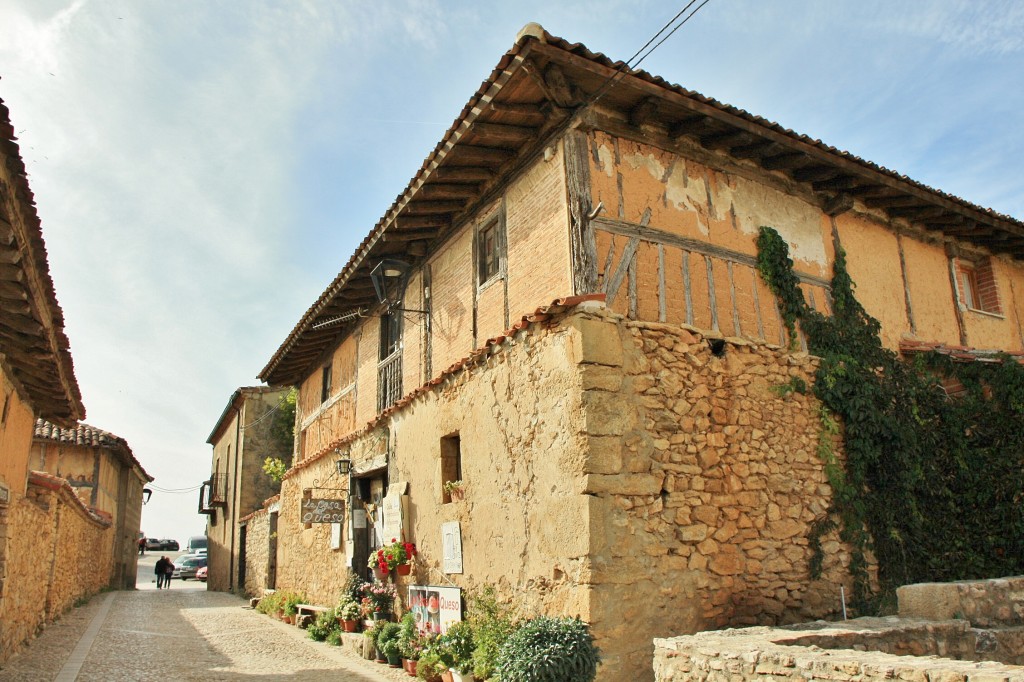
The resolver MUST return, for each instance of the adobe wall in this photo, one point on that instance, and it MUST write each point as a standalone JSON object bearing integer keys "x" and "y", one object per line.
{"x": 705, "y": 484}
{"x": 696, "y": 214}
{"x": 56, "y": 554}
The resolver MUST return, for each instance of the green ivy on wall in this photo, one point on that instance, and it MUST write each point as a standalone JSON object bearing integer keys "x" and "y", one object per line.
{"x": 932, "y": 485}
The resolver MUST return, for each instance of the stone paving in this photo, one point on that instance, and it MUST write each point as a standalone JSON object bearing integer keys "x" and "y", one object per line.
{"x": 184, "y": 633}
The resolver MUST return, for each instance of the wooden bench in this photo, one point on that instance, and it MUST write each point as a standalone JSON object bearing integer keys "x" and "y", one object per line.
{"x": 307, "y": 613}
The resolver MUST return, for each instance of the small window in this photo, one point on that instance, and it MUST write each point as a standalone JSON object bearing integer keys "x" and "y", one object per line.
{"x": 325, "y": 383}
{"x": 451, "y": 466}
{"x": 490, "y": 245}
{"x": 977, "y": 285}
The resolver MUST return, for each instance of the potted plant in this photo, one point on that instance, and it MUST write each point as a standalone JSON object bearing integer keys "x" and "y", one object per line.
{"x": 370, "y": 641}
{"x": 325, "y": 623}
{"x": 348, "y": 615}
{"x": 290, "y": 605}
{"x": 409, "y": 643}
{"x": 270, "y": 604}
{"x": 387, "y": 644}
{"x": 458, "y": 651}
{"x": 429, "y": 666}
{"x": 379, "y": 600}
{"x": 396, "y": 556}
{"x": 456, "y": 490}
{"x": 492, "y": 624}
{"x": 549, "y": 649}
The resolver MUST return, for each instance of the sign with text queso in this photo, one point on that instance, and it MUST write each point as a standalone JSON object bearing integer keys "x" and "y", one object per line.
{"x": 315, "y": 510}
{"x": 435, "y": 608}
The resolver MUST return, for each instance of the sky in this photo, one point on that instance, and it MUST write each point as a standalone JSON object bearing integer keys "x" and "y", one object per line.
{"x": 204, "y": 168}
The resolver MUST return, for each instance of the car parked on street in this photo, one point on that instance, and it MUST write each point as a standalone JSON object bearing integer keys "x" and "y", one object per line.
{"x": 158, "y": 545}
{"x": 185, "y": 566}
{"x": 201, "y": 574}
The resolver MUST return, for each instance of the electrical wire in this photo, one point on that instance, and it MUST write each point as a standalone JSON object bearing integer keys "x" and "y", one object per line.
{"x": 174, "y": 490}
{"x": 629, "y": 65}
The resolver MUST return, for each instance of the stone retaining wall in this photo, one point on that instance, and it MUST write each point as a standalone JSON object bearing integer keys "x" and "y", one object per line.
{"x": 985, "y": 603}
{"x": 772, "y": 653}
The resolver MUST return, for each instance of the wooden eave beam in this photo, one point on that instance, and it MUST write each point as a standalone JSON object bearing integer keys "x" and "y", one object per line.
{"x": 891, "y": 201}
{"x": 417, "y": 207}
{"x": 813, "y": 172}
{"x": 409, "y": 235}
{"x": 462, "y": 174}
{"x": 488, "y": 156}
{"x": 405, "y": 222}
{"x": 813, "y": 151}
{"x": 783, "y": 161}
{"x": 11, "y": 273}
{"x": 501, "y": 132}
{"x": 643, "y": 111}
{"x": 690, "y": 125}
{"x": 754, "y": 150}
{"x": 531, "y": 111}
{"x": 842, "y": 182}
{"x": 724, "y": 139}
{"x": 438, "y": 190}
{"x": 916, "y": 212}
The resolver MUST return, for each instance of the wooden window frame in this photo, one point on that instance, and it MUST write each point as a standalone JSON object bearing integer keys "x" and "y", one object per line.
{"x": 976, "y": 285}
{"x": 491, "y": 250}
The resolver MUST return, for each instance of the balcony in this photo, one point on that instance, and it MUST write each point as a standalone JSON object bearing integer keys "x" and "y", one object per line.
{"x": 213, "y": 493}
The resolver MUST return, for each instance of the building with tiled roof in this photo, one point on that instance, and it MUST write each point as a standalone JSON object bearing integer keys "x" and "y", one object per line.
{"x": 617, "y": 455}
{"x": 102, "y": 470}
{"x": 37, "y": 380}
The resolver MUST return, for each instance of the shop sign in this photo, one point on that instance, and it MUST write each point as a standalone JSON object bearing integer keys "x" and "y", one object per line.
{"x": 435, "y": 608}
{"x": 315, "y": 510}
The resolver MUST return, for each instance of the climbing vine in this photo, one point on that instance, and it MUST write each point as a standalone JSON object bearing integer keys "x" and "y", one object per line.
{"x": 932, "y": 485}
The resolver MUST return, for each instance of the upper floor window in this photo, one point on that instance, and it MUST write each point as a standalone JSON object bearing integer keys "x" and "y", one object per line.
{"x": 977, "y": 285}
{"x": 490, "y": 250}
{"x": 325, "y": 383}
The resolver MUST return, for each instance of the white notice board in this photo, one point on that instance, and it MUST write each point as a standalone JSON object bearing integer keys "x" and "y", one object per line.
{"x": 451, "y": 542}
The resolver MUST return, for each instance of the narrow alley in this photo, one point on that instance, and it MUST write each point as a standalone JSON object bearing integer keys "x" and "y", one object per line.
{"x": 183, "y": 633}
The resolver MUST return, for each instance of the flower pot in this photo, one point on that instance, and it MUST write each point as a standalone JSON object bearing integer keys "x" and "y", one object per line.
{"x": 446, "y": 676}
{"x": 457, "y": 494}
{"x": 379, "y": 656}
{"x": 403, "y": 569}
{"x": 410, "y": 667}
{"x": 350, "y": 625}
{"x": 461, "y": 677}
{"x": 380, "y": 615}
{"x": 380, "y": 575}
{"x": 395, "y": 661}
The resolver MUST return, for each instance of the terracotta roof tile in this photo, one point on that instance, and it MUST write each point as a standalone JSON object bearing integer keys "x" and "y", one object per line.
{"x": 83, "y": 435}
{"x": 962, "y": 353}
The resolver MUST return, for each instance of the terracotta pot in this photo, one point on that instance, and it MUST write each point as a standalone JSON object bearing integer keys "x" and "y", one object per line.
{"x": 380, "y": 575}
{"x": 457, "y": 494}
{"x": 350, "y": 625}
{"x": 403, "y": 569}
{"x": 410, "y": 667}
{"x": 446, "y": 676}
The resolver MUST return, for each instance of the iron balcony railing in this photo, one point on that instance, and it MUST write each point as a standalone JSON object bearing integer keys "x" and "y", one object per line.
{"x": 213, "y": 493}
{"x": 389, "y": 380}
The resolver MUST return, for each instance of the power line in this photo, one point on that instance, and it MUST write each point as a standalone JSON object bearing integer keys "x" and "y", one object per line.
{"x": 628, "y": 65}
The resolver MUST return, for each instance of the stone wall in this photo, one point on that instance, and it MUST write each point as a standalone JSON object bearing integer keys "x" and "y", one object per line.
{"x": 852, "y": 650}
{"x": 57, "y": 553}
{"x": 705, "y": 484}
{"x": 257, "y": 556}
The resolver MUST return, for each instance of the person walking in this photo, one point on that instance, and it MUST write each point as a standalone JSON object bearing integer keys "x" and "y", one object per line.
{"x": 161, "y": 571}
{"x": 168, "y": 573}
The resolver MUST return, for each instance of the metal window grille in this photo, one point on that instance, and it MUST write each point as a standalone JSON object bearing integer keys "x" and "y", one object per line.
{"x": 389, "y": 380}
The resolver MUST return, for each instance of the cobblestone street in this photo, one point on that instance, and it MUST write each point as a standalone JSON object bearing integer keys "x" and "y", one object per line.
{"x": 184, "y": 633}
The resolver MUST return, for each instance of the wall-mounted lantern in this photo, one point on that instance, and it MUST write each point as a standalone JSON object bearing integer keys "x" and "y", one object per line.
{"x": 390, "y": 277}
{"x": 344, "y": 466}
{"x": 146, "y": 494}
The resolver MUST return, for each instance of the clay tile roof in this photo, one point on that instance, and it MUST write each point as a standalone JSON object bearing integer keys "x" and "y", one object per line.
{"x": 959, "y": 353}
{"x": 87, "y": 436}
{"x": 32, "y": 337}
{"x": 518, "y": 108}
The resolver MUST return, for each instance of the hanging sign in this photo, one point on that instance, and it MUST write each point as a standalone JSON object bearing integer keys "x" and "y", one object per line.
{"x": 435, "y": 608}
{"x": 322, "y": 511}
